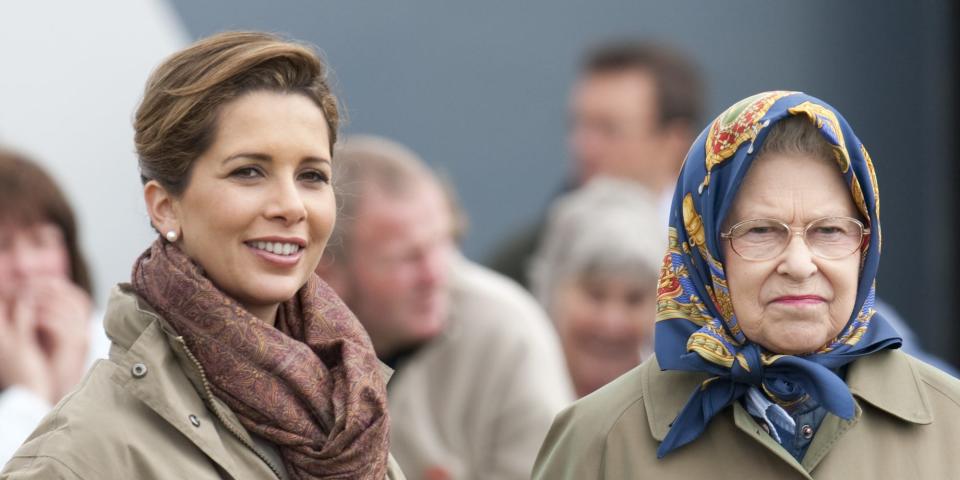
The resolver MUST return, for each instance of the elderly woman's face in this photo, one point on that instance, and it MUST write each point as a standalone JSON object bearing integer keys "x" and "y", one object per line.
{"x": 795, "y": 302}
{"x": 604, "y": 321}
{"x": 259, "y": 207}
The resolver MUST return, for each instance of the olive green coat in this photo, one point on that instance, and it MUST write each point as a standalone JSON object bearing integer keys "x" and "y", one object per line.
{"x": 907, "y": 426}
{"x": 141, "y": 414}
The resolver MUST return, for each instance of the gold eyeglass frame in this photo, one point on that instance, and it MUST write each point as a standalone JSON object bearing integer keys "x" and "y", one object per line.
{"x": 728, "y": 235}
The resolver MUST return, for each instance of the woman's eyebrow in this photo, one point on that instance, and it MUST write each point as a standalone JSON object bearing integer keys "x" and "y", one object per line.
{"x": 248, "y": 155}
{"x": 262, "y": 157}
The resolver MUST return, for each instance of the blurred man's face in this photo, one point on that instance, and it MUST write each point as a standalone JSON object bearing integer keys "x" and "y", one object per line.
{"x": 396, "y": 273}
{"x": 614, "y": 128}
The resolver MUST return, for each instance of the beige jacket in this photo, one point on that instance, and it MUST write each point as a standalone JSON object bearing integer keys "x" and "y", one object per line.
{"x": 141, "y": 415}
{"x": 476, "y": 402}
{"x": 907, "y": 426}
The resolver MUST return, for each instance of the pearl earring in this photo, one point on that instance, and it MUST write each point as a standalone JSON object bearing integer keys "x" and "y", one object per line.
{"x": 172, "y": 236}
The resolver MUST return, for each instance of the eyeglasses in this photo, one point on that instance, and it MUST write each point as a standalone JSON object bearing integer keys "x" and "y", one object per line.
{"x": 765, "y": 238}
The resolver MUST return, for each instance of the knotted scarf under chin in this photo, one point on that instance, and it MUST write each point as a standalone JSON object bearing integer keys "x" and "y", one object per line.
{"x": 311, "y": 386}
{"x": 787, "y": 379}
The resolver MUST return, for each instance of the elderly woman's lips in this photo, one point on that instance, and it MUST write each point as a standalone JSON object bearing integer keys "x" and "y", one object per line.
{"x": 799, "y": 300}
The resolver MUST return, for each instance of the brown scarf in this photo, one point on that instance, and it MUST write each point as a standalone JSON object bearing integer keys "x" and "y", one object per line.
{"x": 311, "y": 386}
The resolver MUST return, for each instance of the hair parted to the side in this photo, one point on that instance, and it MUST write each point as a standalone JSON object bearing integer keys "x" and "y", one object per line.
{"x": 28, "y": 195}
{"x": 177, "y": 118}
{"x": 796, "y": 135}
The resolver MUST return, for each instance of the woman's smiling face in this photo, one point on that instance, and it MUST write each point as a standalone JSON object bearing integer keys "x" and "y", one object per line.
{"x": 259, "y": 206}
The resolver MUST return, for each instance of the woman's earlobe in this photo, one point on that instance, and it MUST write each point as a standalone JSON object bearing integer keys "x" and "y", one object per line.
{"x": 160, "y": 208}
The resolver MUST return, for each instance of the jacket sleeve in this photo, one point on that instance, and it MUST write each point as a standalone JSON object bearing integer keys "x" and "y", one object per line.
{"x": 37, "y": 468}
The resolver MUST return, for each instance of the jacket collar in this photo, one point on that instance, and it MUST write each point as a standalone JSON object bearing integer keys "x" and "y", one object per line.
{"x": 666, "y": 392}
{"x": 148, "y": 354}
{"x": 129, "y": 317}
{"x": 870, "y": 378}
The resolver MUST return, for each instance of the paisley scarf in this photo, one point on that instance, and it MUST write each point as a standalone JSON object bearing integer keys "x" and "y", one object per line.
{"x": 311, "y": 386}
{"x": 697, "y": 329}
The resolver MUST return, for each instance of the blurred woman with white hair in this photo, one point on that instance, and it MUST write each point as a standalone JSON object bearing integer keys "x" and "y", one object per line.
{"x": 595, "y": 273}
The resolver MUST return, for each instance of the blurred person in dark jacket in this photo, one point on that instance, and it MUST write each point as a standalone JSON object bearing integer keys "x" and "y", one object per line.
{"x": 633, "y": 114}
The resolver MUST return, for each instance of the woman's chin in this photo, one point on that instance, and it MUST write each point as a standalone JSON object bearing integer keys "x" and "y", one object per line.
{"x": 796, "y": 343}
{"x": 267, "y": 293}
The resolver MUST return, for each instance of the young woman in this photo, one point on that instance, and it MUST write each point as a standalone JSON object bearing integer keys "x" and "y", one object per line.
{"x": 231, "y": 359}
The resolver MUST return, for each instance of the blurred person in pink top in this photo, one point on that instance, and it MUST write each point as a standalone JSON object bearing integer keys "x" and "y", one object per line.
{"x": 47, "y": 338}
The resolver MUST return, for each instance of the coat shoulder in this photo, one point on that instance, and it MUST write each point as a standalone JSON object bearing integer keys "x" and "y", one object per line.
{"x": 577, "y": 442}
{"x": 82, "y": 429}
{"x": 607, "y": 405}
{"x": 938, "y": 384}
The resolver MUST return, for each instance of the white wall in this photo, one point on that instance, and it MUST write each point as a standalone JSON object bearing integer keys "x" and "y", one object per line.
{"x": 71, "y": 76}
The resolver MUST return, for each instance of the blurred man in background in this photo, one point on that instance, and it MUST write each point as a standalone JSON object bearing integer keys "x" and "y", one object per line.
{"x": 479, "y": 374}
{"x": 633, "y": 115}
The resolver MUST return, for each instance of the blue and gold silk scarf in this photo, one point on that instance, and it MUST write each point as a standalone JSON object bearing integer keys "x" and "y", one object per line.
{"x": 696, "y": 327}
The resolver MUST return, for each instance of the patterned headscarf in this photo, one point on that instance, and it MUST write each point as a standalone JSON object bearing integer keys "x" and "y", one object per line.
{"x": 697, "y": 329}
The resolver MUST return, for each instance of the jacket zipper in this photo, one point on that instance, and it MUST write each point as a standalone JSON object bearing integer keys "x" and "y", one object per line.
{"x": 216, "y": 411}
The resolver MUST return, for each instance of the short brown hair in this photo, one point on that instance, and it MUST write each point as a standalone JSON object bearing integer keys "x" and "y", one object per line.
{"x": 676, "y": 76}
{"x": 176, "y": 121}
{"x": 29, "y": 196}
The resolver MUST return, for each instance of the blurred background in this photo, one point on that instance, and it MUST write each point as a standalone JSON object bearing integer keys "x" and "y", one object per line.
{"x": 480, "y": 90}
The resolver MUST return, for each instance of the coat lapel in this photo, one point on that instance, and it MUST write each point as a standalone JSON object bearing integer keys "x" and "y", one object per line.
{"x": 150, "y": 370}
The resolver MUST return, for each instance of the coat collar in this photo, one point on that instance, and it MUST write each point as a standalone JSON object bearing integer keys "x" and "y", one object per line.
{"x": 148, "y": 354}
{"x": 870, "y": 378}
{"x": 128, "y": 318}
{"x": 666, "y": 392}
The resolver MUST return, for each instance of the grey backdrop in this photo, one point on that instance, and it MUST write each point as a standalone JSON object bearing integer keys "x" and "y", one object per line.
{"x": 479, "y": 89}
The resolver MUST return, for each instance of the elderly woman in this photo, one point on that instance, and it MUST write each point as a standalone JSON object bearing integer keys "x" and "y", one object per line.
{"x": 771, "y": 361}
{"x": 596, "y": 273}
{"x": 230, "y": 358}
